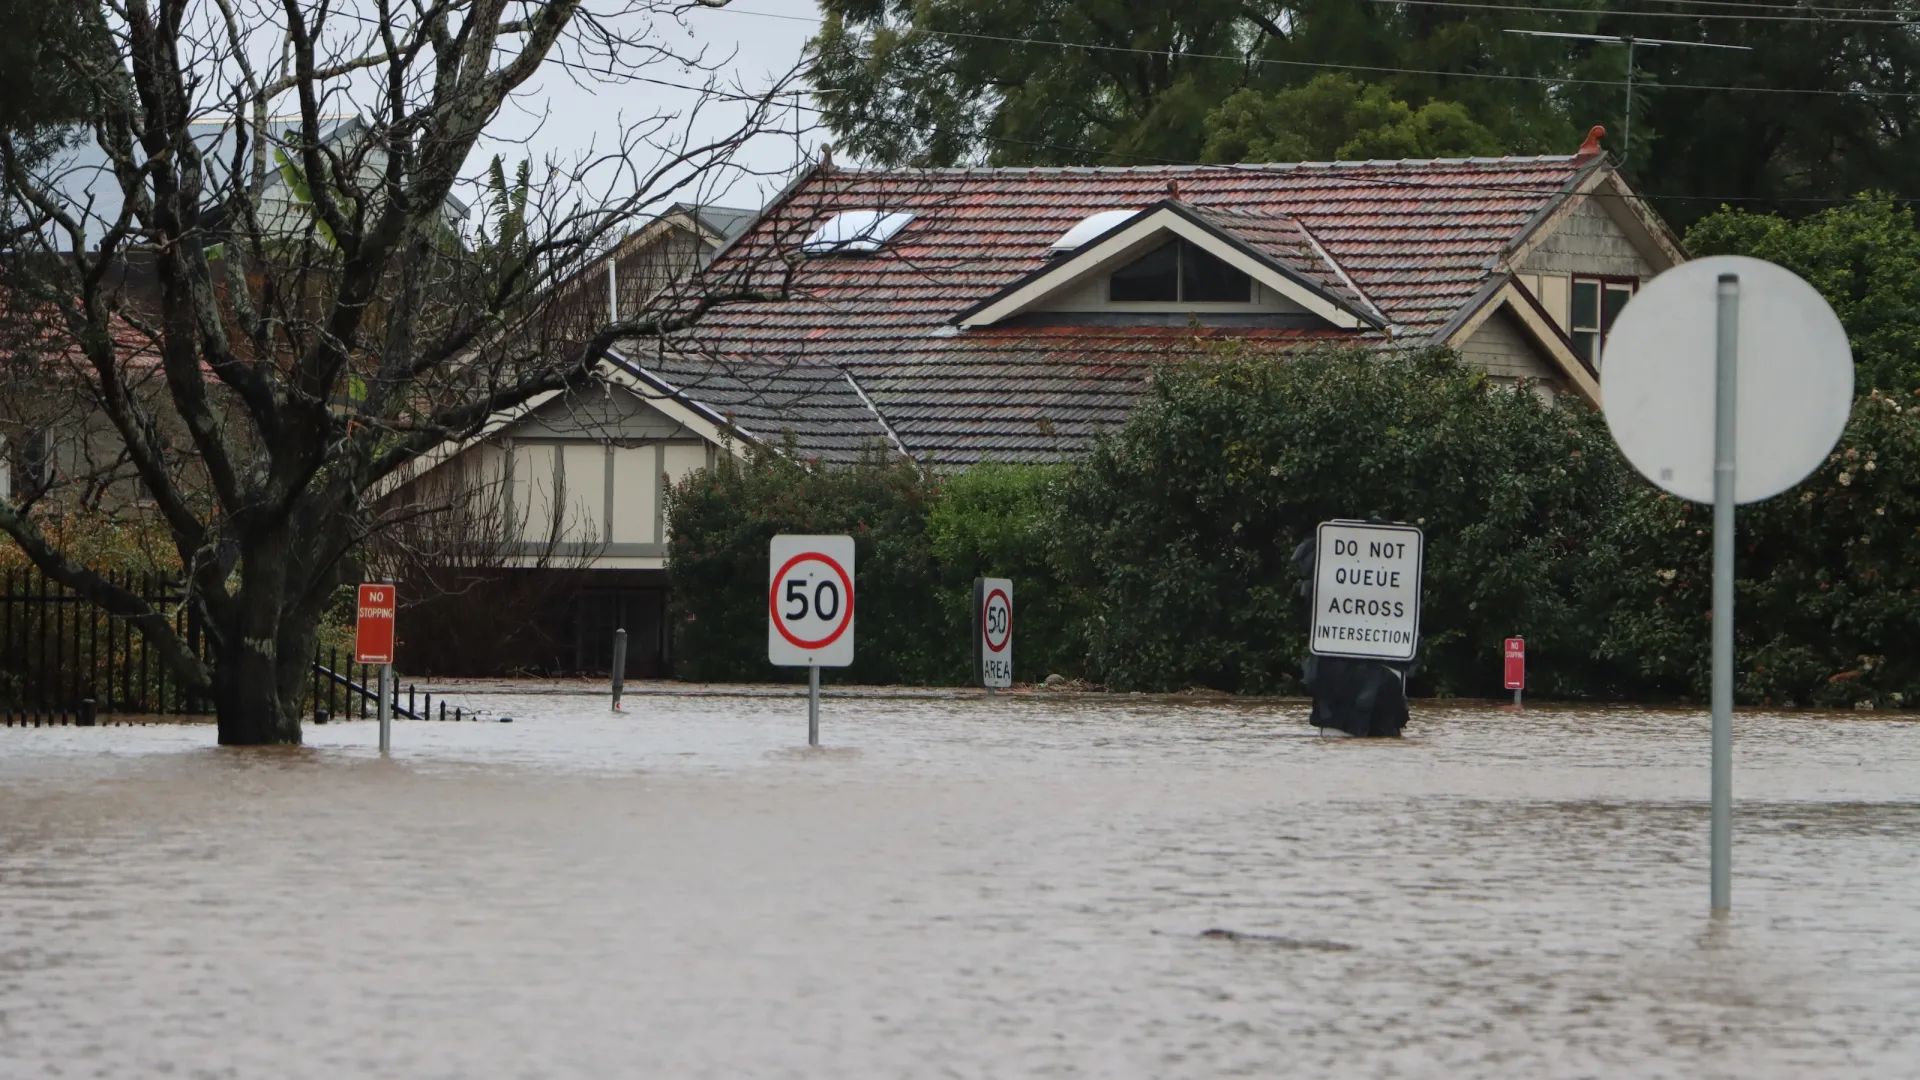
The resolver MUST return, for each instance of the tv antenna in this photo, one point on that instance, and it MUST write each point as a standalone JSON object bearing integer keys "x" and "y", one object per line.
{"x": 1631, "y": 42}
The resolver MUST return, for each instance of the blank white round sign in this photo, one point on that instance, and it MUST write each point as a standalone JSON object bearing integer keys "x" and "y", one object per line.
{"x": 1795, "y": 382}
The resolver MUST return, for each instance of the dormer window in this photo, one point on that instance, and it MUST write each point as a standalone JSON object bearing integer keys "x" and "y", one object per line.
{"x": 1179, "y": 272}
{"x": 854, "y": 231}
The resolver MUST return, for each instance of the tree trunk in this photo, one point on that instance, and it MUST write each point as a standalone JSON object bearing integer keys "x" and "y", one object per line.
{"x": 255, "y": 699}
{"x": 249, "y": 703}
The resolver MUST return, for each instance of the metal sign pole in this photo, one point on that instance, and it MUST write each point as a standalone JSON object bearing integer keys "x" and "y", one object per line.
{"x": 813, "y": 704}
{"x": 1726, "y": 352}
{"x": 386, "y": 708}
{"x": 619, "y": 666}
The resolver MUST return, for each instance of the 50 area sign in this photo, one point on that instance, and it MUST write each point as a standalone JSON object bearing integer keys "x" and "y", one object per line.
{"x": 993, "y": 631}
{"x": 810, "y": 599}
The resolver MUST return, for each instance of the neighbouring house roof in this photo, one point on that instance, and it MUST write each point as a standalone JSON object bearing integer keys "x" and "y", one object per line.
{"x": 1407, "y": 245}
{"x": 724, "y": 222}
{"x": 82, "y": 174}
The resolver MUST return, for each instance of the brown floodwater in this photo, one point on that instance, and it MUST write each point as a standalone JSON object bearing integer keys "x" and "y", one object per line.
{"x": 966, "y": 888}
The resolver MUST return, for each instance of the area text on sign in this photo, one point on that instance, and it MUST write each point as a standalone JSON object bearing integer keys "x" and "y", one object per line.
{"x": 1366, "y": 590}
{"x": 993, "y": 626}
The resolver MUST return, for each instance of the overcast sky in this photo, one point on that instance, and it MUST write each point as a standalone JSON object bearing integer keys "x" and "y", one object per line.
{"x": 754, "y": 42}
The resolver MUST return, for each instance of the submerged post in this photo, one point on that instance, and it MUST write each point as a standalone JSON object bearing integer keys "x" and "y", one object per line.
{"x": 813, "y": 704}
{"x": 1726, "y": 392}
{"x": 386, "y": 708}
{"x": 619, "y": 666}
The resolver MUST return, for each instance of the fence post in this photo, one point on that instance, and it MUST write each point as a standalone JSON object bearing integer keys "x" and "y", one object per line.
{"x": 619, "y": 666}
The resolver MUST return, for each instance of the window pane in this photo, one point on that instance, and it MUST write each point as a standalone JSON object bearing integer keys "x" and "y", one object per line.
{"x": 1586, "y": 305}
{"x": 1617, "y": 297}
{"x": 1155, "y": 276}
{"x": 1206, "y": 279}
{"x": 1587, "y": 344}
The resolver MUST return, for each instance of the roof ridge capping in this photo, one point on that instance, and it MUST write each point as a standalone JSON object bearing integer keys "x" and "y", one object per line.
{"x": 1195, "y": 167}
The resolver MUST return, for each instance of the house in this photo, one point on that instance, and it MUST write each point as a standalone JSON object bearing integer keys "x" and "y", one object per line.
{"x": 51, "y": 432}
{"x": 82, "y": 173}
{"x": 576, "y": 483}
{"x": 963, "y": 315}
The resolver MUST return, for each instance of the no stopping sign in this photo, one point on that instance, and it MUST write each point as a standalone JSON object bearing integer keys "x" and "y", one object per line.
{"x": 810, "y": 599}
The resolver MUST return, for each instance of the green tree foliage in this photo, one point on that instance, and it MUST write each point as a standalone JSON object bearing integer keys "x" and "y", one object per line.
{"x": 1181, "y": 526}
{"x": 44, "y": 53}
{"x": 1010, "y": 82}
{"x": 1339, "y": 118}
{"x": 997, "y": 520}
{"x": 1161, "y": 560}
{"x": 1864, "y": 257}
{"x": 720, "y": 522}
{"x": 920, "y": 540}
{"x": 1828, "y": 592}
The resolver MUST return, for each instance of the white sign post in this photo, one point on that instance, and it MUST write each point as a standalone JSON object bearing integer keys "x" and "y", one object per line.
{"x": 993, "y": 632}
{"x": 1366, "y": 590}
{"x": 1695, "y": 382}
{"x": 810, "y": 610}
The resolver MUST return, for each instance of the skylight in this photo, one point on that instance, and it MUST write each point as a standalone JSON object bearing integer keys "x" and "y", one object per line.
{"x": 1089, "y": 227}
{"x": 854, "y": 230}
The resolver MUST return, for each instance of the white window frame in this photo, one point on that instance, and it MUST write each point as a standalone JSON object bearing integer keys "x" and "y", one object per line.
{"x": 1590, "y": 340}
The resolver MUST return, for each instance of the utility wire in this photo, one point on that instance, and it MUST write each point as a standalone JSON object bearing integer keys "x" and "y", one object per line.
{"x": 1597, "y": 13}
{"x": 1146, "y": 159}
{"x": 1546, "y": 80}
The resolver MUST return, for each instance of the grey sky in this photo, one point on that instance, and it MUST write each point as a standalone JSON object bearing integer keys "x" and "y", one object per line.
{"x": 758, "y": 40}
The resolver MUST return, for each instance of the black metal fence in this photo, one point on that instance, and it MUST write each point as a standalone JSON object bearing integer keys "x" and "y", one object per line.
{"x": 58, "y": 651}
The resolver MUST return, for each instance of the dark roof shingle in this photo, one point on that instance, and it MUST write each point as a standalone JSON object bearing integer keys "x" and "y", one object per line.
{"x": 1410, "y": 240}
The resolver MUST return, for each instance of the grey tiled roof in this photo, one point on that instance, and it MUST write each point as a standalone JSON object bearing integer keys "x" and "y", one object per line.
{"x": 1411, "y": 240}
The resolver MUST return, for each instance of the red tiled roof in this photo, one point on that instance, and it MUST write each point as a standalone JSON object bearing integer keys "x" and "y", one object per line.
{"x": 1416, "y": 239}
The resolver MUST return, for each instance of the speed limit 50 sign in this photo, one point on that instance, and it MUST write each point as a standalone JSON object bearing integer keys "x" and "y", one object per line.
{"x": 993, "y": 630}
{"x": 810, "y": 601}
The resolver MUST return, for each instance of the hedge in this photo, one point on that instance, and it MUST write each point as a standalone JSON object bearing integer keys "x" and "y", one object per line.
{"x": 1160, "y": 559}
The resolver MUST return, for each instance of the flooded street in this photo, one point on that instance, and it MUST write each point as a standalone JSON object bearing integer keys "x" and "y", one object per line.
{"x": 963, "y": 888}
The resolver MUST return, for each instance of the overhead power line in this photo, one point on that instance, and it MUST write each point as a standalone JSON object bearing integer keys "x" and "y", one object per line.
{"x": 1544, "y": 80}
{"x": 1147, "y": 159}
{"x": 1631, "y": 42}
{"x": 1593, "y": 13}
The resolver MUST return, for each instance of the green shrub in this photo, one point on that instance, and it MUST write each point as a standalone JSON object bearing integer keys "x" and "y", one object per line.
{"x": 1180, "y": 526}
{"x": 720, "y": 522}
{"x": 996, "y": 520}
{"x": 1864, "y": 257}
{"x": 1161, "y": 560}
{"x": 1827, "y": 597}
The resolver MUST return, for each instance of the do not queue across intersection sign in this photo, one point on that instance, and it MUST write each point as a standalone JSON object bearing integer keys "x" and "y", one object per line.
{"x": 810, "y": 601}
{"x": 1366, "y": 590}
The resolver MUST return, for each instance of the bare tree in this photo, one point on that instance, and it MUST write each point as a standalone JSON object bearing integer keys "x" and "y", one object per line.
{"x": 270, "y": 305}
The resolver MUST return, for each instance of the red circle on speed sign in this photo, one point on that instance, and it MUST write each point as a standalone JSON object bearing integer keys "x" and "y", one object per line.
{"x": 773, "y": 602}
{"x": 1006, "y": 631}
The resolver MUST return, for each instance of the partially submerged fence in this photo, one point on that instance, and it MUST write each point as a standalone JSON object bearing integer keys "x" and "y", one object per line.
{"x": 59, "y": 650}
